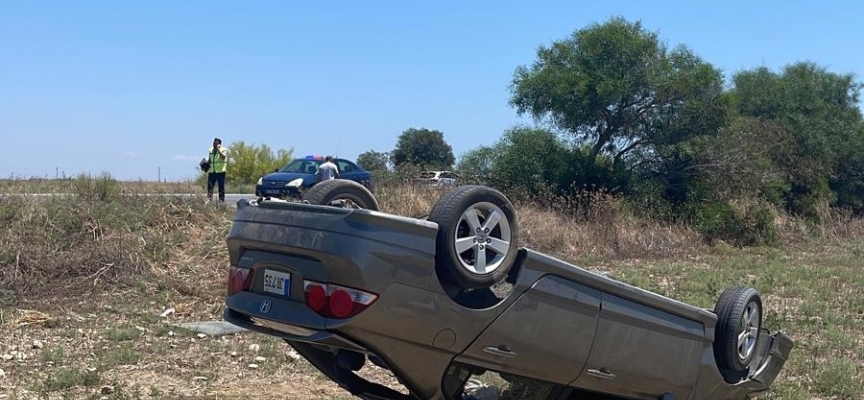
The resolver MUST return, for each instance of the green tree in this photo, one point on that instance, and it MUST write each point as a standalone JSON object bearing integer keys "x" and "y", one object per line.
{"x": 247, "y": 163}
{"x": 615, "y": 87}
{"x": 423, "y": 148}
{"x": 478, "y": 165}
{"x": 374, "y": 161}
{"x": 848, "y": 179}
{"x": 819, "y": 111}
{"x": 739, "y": 162}
{"x": 532, "y": 160}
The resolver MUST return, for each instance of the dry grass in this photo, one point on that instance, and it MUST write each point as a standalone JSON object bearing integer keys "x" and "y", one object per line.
{"x": 88, "y": 277}
{"x": 83, "y": 182}
{"x": 613, "y": 234}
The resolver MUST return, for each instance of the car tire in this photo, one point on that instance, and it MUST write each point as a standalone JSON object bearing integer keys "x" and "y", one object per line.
{"x": 325, "y": 193}
{"x": 739, "y": 315}
{"x": 458, "y": 241}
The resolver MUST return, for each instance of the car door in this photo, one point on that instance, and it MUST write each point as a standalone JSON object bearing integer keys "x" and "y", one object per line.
{"x": 346, "y": 170}
{"x": 349, "y": 170}
{"x": 642, "y": 352}
{"x": 545, "y": 334}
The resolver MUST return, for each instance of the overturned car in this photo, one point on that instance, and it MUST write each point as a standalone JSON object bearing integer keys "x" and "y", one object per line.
{"x": 443, "y": 299}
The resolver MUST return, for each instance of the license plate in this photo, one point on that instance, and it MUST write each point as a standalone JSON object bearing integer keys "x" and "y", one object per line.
{"x": 277, "y": 282}
{"x": 271, "y": 191}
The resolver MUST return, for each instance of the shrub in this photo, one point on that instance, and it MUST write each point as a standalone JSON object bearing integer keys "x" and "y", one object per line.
{"x": 748, "y": 225}
{"x": 103, "y": 187}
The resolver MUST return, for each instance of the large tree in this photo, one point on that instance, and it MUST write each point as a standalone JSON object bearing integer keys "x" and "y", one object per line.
{"x": 372, "y": 160}
{"x": 423, "y": 148}
{"x": 618, "y": 89}
{"x": 818, "y": 112}
{"x": 818, "y": 108}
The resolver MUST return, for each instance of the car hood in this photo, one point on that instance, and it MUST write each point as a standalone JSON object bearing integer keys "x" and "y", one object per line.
{"x": 285, "y": 176}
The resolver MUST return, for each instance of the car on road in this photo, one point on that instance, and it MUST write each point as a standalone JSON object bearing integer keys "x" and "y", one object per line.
{"x": 440, "y": 300}
{"x": 298, "y": 176}
{"x": 438, "y": 178}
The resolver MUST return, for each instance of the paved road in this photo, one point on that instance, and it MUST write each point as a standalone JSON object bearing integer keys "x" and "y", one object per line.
{"x": 233, "y": 198}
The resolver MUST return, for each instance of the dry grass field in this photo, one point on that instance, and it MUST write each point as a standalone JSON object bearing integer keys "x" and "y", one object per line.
{"x": 85, "y": 280}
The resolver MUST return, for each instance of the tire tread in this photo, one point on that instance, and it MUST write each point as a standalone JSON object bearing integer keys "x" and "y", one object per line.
{"x": 324, "y": 192}
{"x": 729, "y": 308}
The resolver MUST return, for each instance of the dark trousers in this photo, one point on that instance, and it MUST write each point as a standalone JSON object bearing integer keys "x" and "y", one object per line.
{"x": 212, "y": 179}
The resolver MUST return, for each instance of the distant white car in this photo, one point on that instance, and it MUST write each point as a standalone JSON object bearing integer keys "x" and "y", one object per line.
{"x": 438, "y": 178}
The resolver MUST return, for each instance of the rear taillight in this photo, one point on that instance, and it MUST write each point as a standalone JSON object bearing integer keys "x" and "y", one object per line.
{"x": 239, "y": 279}
{"x": 335, "y": 301}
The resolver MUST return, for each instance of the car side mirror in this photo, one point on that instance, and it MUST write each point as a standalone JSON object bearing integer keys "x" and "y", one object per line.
{"x": 276, "y": 170}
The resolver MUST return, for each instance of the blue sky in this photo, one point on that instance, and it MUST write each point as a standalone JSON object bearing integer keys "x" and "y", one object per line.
{"x": 135, "y": 87}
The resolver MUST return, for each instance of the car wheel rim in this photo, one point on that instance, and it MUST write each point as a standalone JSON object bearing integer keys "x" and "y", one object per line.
{"x": 750, "y": 332}
{"x": 482, "y": 238}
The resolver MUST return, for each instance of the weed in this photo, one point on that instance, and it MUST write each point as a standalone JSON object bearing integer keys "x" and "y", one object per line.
{"x": 121, "y": 355}
{"x": 123, "y": 333}
{"x": 839, "y": 377}
{"x": 71, "y": 377}
{"x": 53, "y": 355}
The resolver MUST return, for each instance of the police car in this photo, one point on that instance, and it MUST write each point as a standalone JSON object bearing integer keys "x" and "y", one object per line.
{"x": 299, "y": 175}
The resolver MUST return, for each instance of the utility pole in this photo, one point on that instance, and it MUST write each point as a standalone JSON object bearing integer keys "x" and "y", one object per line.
{"x": 56, "y": 172}
{"x": 159, "y": 179}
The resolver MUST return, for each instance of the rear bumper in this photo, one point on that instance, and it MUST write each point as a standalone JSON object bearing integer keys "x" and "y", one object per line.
{"x": 779, "y": 348}
{"x": 331, "y": 353}
{"x": 277, "y": 191}
{"x": 284, "y": 318}
{"x": 773, "y": 352}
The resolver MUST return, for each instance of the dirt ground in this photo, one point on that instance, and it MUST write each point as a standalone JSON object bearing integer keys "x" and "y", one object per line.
{"x": 117, "y": 346}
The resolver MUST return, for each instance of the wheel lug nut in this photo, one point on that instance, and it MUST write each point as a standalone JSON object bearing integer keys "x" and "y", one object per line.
{"x": 486, "y": 230}
{"x": 488, "y": 240}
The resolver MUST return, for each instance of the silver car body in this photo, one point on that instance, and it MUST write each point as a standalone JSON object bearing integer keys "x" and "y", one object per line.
{"x": 559, "y": 323}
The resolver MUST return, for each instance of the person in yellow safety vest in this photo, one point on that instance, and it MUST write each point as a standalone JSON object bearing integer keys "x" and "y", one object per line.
{"x": 218, "y": 157}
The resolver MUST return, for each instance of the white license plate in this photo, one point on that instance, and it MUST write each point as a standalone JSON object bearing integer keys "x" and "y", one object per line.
{"x": 277, "y": 282}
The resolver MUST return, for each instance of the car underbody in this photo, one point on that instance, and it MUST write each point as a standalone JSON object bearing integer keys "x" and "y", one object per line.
{"x": 547, "y": 327}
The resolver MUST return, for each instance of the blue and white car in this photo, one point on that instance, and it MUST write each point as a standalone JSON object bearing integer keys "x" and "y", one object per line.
{"x": 299, "y": 175}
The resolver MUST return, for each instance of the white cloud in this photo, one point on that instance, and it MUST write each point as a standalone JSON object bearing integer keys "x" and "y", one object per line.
{"x": 131, "y": 154}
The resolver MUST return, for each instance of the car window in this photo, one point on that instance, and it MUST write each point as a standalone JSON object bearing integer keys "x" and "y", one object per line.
{"x": 302, "y": 166}
{"x": 345, "y": 166}
{"x": 294, "y": 166}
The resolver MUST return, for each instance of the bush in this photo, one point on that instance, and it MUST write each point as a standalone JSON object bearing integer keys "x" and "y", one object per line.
{"x": 750, "y": 226}
{"x": 247, "y": 163}
{"x": 103, "y": 187}
{"x": 810, "y": 201}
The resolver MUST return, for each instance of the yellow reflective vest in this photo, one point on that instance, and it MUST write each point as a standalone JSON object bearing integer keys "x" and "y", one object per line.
{"x": 217, "y": 163}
